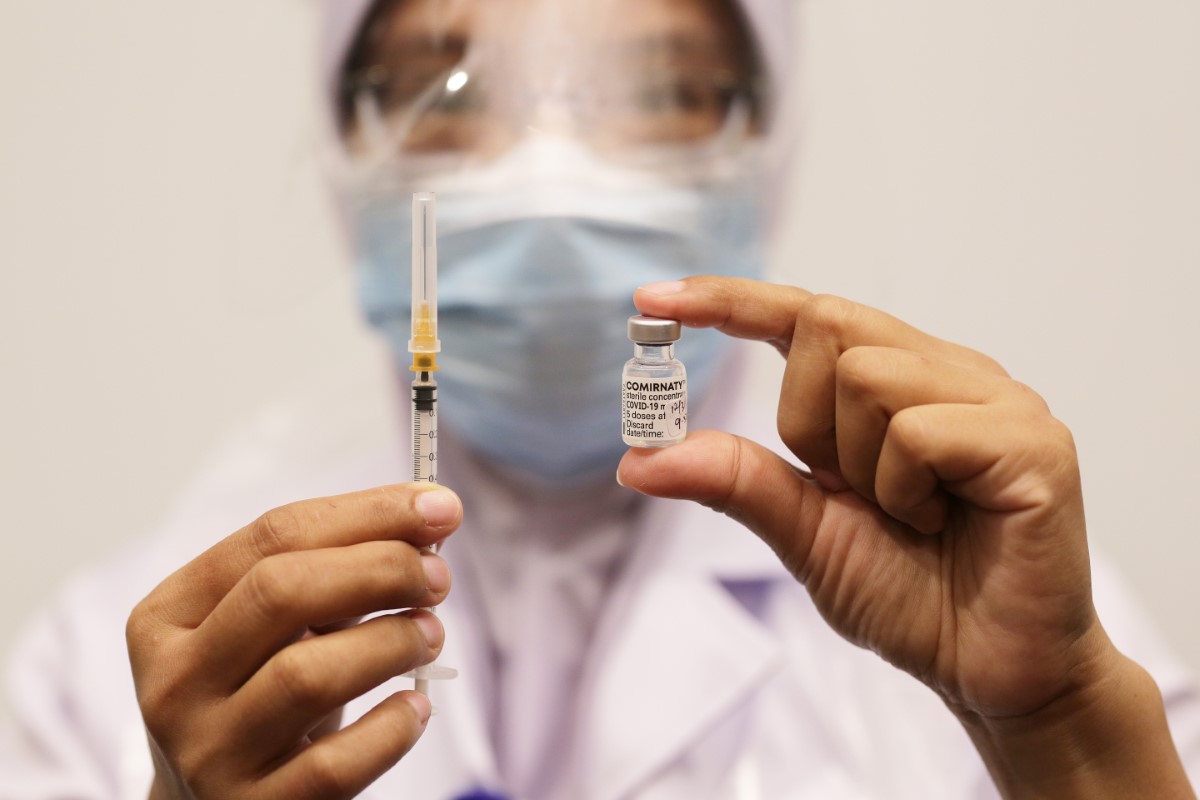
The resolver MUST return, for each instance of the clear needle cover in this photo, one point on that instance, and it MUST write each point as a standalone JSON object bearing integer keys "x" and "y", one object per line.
{"x": 424, "y": 275}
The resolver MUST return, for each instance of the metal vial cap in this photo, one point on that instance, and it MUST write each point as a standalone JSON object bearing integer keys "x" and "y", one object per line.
{"x": 652, "y": 330}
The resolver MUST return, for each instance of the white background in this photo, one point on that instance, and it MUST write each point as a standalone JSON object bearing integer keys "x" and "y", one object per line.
{"x": 1022, "y": 177}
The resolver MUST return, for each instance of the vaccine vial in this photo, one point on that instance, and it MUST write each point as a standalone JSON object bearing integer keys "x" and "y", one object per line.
{"x": 653, "y": 385}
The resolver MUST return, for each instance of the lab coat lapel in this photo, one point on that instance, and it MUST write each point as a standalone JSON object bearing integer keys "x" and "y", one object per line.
{"x": 676, "y": 652}
{"x": 453, "y": 758}
{"x": 459, "y": 703}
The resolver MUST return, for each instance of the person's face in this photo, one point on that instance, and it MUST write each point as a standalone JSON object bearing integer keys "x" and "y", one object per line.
{"x": 455, "y": 76}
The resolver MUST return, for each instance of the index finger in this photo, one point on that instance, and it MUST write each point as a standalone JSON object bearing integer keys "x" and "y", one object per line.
{"x": 776, "y": 313}
{"x": 812, "y": 332}
{"x": 738, "y": 307}
{"x": 416, "y": 513}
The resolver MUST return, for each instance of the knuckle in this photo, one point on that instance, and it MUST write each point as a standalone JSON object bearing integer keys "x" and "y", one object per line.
{"x": 394, "y": 572}
{"x": 154, "y": 704}
{"x": 402, "y": 560}
{"x": 298, "y": 678}
{"x": 386, "y": 506}
{"x": 970, "y": 358}
{"x": 198, "y": 762}
{"x": 823, "y": 314}
{"x": 164, "y": 686}
{"x": 326, "y": 775}
{"x": 1065, "y": 436}
{"x": 1050, "y": 462}
{"x": 166, "y": 703}
{"x": 1027, "y": 395}
{"x": 270, "y": 586}
{"x": 857, "y": 370}
{"x": 139, "y": 627}
{"x": 1060, "y": 435}
{"x": 791, "y": 426}
{"x": 399, "y": 573}
{"x": 992, "y": 365}
{"x": 737, "y": 472}
{"x": 719, "y": 490}
{"x": 888, "y": 496}
{"x": 277, "y": 531}
{"x": 907, "y": 431}
{"x": 809, "y": 436}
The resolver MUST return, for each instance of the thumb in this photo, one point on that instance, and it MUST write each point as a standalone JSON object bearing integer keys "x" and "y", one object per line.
{"x": 741, "y": 479}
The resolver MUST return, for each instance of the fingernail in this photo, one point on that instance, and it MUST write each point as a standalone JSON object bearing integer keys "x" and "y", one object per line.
{"x": 439, "y": 507}
{"x": 830, "y": 481}
{"x": 420, "y": 704}
{"x": 437, "y": 574}
{"x": 431, "y": 629}
{"x": 663, "y": 287}
{"x": 619, "y": 478}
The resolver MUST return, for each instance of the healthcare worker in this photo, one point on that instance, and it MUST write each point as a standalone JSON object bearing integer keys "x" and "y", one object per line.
{"x": 923, "y": 624}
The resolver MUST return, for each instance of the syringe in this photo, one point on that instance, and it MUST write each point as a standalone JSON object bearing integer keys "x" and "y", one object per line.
{"x": 424, "y": 345}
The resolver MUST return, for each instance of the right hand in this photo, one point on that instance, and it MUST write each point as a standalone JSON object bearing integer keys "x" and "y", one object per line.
{"x": 244, "y": 658}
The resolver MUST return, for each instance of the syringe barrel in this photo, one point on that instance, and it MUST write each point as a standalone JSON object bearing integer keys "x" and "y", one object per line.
{"x": 424, "y": 274}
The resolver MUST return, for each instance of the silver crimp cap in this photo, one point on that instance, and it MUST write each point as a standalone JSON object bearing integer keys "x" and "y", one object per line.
{"x": 652, "y": 330}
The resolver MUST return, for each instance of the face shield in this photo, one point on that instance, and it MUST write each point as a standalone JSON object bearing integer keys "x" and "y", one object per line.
{"x": 671, "y": 89}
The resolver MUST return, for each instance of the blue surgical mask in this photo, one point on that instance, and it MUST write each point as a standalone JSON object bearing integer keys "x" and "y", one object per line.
{"x": 532, "y": 310}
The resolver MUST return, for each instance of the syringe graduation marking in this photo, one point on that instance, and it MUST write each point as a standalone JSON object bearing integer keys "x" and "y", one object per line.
{"x": 424, "y": 429}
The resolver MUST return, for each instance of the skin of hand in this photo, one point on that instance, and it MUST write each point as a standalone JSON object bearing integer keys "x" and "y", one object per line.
{"x": 243, "y": 659}
{"x": 941, "y": 526}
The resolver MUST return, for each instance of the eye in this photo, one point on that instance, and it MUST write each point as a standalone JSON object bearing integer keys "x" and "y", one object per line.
{"x": 461, "y": 96}
{"x": 689, "y": 94}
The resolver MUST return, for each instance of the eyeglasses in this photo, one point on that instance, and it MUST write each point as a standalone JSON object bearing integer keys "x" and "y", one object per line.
{"x": 454, "y": 110}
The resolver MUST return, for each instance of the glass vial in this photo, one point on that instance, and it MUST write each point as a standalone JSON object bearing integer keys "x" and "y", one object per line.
{"x": 653, "y": 385}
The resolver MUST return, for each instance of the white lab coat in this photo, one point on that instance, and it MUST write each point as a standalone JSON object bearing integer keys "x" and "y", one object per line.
{"x": 711, "y": 676}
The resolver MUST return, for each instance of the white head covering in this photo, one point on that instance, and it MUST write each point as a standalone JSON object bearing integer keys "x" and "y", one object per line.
{"x": 771, "y": 21}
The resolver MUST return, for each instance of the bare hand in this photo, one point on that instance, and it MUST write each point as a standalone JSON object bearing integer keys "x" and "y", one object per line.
{"x": 941, "y": 526}
{"x": 945, "y": 526}
{"x": 244, "y": 658}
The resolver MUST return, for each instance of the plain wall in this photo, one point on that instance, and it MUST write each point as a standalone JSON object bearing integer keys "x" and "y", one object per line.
{"x": 1021, "y": 177}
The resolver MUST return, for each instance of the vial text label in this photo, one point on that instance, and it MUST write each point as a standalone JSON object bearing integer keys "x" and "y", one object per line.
{"x": 653, "y": 412}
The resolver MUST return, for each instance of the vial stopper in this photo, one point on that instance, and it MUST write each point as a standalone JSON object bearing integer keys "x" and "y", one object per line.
{"x": 653, "y": 330}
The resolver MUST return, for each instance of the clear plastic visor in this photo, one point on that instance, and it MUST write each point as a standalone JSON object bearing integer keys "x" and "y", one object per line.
{"x": 434, "y": 86}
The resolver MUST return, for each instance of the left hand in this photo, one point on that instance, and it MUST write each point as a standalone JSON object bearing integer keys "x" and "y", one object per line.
{"x": 942, "y": 523}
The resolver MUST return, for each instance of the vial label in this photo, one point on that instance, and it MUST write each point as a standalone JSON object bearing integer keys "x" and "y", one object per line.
{"x": 653, "y": 410}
